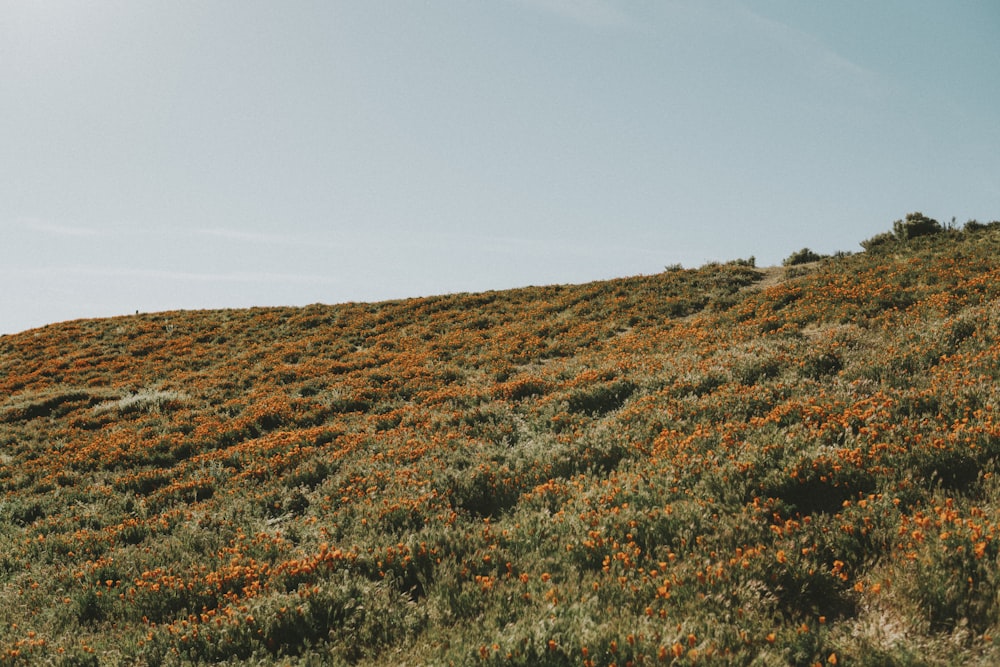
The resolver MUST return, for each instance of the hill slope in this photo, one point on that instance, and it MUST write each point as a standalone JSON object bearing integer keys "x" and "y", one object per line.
{"x": 666, "y": 469}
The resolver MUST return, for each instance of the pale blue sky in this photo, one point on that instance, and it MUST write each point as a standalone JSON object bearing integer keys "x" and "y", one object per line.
{"x": 158, "y": 155}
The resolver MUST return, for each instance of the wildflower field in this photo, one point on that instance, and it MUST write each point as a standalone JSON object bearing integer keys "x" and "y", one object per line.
{"x": 724, "y": 465}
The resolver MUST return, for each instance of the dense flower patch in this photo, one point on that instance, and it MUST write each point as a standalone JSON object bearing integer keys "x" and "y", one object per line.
{"x": 672, "y": 469}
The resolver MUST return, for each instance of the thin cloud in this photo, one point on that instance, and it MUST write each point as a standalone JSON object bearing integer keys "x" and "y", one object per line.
{"x": 592, "y": 13}
{"x": 175, "y": 276}
{"x": 521, "y": 247}
{"x": 54, "y": 229}
{"x": 250, "y": 237}
{"x": 819, "y": 54}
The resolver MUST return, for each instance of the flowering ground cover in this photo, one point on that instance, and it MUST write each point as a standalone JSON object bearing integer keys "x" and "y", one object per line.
{"x": 694, "y": 467}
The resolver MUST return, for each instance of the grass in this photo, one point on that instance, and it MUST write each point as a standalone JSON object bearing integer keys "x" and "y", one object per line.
{"x": 716, "y": 466}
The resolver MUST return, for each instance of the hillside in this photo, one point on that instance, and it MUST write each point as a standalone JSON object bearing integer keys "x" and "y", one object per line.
{"x": 691, "y": 467}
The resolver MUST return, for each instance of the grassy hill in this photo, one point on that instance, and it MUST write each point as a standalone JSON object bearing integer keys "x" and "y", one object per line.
{"x": 713, "y": 466}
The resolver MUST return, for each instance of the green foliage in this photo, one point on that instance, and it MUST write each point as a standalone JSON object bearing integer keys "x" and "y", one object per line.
{"x": 972, "y": 226}
{"x": 879, "y": 242}
{"x": 803, "y": 256}
{"x": 915, "y": 225}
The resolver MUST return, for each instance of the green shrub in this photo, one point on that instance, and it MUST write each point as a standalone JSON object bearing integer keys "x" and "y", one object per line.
{"x": 803, "y": 256}
{"x": 820, "y": 365}
{"x": 878, "y": 242}
{"x": 599, "y": 399}
{"x": 916, "y": 224}
{"x": 973, "y": 226}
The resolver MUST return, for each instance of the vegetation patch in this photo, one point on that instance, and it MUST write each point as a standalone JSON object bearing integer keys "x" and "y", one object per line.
{"x": 723, "y": 465}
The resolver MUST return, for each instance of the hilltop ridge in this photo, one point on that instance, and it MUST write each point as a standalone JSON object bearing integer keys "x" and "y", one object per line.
{"x": 784, "y": 466}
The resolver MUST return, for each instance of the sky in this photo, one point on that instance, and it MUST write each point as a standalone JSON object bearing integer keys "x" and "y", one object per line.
{"x": 159, "y": 155}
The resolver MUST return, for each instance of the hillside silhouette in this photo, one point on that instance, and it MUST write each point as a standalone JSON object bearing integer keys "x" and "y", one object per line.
{"x": 722, "y": 465}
